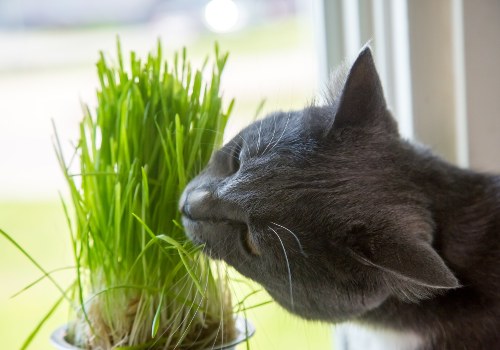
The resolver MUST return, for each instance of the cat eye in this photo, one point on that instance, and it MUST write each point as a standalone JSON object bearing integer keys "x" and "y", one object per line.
{"x": 234, "y": 158}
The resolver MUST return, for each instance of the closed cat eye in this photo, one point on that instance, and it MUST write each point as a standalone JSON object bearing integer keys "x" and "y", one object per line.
{"x": 234, "y": 158}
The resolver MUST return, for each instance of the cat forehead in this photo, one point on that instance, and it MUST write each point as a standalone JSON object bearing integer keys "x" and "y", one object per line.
{"x": 276, "y": 120}
{"x": 302, "y": 123}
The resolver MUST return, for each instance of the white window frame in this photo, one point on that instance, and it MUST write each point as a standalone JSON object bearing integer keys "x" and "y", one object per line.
{"x": 428, "y": 53}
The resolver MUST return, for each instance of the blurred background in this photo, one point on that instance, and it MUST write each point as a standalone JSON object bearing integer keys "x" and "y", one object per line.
{"x": 438, "y": 60}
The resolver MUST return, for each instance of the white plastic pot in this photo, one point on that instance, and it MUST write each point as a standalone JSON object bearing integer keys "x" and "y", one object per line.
{"x": 244, "y": 330}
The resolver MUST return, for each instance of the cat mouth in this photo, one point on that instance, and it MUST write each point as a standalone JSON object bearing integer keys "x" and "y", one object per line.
{"x": 216, "y": 235}
{"x": 248, "y": 242}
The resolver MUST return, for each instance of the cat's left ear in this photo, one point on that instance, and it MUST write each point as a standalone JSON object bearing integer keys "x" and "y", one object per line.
{"x": 362, "y": 103}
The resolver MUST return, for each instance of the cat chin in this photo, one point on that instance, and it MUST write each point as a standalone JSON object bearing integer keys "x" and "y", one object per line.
{"x": 218, "y": 236}
{"x": 318, "y": 312}
{"x": 327, "y": 306}
{"x": 191, "y": 228}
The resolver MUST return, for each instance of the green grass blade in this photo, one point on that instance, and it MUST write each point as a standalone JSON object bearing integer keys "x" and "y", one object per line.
{"x": 39, "y": 279}
{"x": 35, "y": 331}
{"x": 156, "y": 319}
{"x": 34, "y": 262}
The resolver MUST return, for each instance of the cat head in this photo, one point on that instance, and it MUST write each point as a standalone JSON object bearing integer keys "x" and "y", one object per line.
{"x": 316, "y": 205}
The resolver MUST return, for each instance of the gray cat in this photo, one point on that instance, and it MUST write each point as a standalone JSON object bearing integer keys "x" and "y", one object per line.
{"x": 340, "y": 219}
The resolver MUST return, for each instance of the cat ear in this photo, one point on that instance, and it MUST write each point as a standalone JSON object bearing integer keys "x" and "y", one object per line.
{"x": 412, "y": 268}
{"x": 361, "y": 102}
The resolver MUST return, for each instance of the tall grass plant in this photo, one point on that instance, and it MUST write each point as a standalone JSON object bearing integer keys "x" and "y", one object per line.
{"x": 140, "y": 284}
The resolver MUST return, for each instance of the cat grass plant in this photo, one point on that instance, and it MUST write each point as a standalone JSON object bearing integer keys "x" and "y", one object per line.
{"x": 139, "y": 283}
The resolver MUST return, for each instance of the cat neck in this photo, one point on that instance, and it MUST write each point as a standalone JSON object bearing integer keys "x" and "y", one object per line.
{"x": 465, "y": 208}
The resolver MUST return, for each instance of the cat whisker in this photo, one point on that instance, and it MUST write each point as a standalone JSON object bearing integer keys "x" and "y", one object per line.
{"x": 193, "y": 317}
{"x": 220, "y": 328}
{"x": 283, "y": 133}
{"x": 245, "y": 143}
{"x": 230, "y": 154}
{"x": 287, "y": 265}
{"x": 272, "y": 136}
{"x": 191, "y": 286}
{"x": 294, "y": 235}
{"x": 203, "y": 311}
{"x": 211, "y": 130}
{"x": 258, "y": 141}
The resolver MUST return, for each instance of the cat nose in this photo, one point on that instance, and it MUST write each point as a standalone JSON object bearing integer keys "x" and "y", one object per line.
{"x": 196, "y": 204}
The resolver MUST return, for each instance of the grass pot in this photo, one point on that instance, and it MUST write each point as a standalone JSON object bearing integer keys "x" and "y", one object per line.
{"x": 244, "y": 330}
